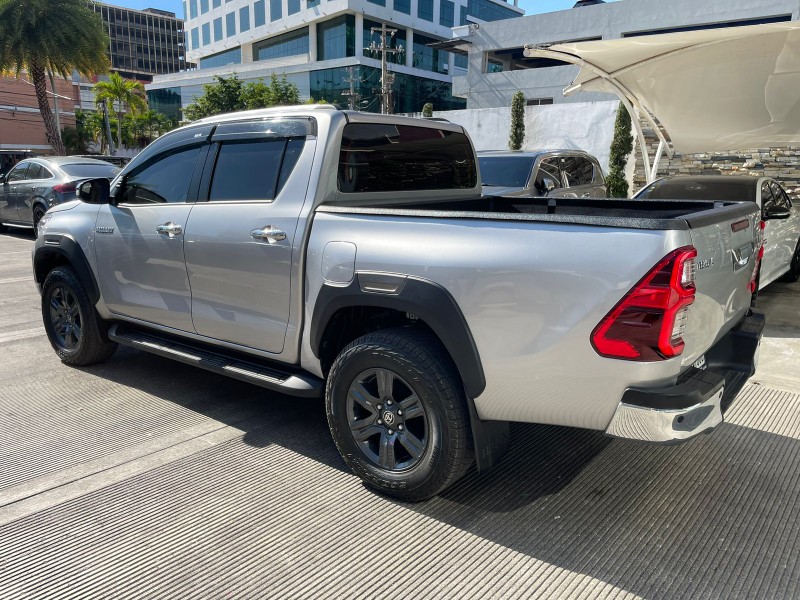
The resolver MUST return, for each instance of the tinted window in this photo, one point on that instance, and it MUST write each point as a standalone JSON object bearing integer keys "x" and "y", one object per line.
{"x": 90, "y": 171}
{"x": 45, "y": 174}
{"x": 697, "y": 189}
{"x": 578, "y": 170}
{"x": 164, "y": 178}
{"x": 505, "y": 171}
{"x": 548, "y": 177}
{"x": 34, "y": 171}
{"x": 388, "y": 158}
{"x": 293, "y": 149}
{"x": 19, "y": 172}
{"x": 247, "y": 170}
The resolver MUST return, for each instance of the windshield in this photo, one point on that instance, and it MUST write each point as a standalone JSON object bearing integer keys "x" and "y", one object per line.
{"x": 696, "y": 189}
{"x": 505, "y": 171}
{"x": 81, "y": 170}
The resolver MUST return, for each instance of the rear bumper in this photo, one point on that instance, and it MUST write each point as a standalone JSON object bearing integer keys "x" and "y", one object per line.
{"x": 697, "y": 401}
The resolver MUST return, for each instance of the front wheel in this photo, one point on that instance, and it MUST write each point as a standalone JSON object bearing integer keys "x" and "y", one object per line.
{"x": 73, "y": 326}
{"x": 38, "y": 213}
{"x": 794, "y": 270}
{"x": 397, "y": 412}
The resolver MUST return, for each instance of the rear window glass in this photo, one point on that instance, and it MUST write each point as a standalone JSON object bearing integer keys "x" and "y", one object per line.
{"x": 579, "y": 171}
{"x": 89, "y": 171}
{"x": 505, "y": 171}
{"x": 699, "y": 190}
{"x": 392, "y": 158}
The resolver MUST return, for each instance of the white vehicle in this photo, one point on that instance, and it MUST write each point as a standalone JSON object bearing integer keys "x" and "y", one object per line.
{"x": 780, "y": 218}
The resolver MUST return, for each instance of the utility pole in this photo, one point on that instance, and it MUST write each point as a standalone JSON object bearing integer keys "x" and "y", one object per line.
{"x": 387, "y": 79}
{"x": 352, "y": 96}
{"x": 108, "y": 129}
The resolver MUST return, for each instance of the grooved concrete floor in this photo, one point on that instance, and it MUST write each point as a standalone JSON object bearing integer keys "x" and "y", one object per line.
{"x": 146, "y": 478}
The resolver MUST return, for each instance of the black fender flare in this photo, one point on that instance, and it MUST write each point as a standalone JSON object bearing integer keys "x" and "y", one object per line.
{"x": 54, "y": 251}
{"x": 426, "y": 300}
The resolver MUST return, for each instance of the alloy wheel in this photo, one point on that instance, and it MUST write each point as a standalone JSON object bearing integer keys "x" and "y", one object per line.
{"x": 65, "y": 317}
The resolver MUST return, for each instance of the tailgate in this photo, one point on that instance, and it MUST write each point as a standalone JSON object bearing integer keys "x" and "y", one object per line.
{"x": 726, "y": 241}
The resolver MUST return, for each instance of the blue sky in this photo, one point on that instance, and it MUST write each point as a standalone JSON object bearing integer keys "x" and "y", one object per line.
{"x": 531, "y": 6}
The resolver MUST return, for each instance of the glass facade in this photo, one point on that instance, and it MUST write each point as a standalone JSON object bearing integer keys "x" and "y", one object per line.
{"x": 292, "y": 7}
{"x": 425, "y": 10}
{"x": 373, "y": 40}
{"x": 195, "y": 38}
{"x": 486, "y": 10}
{"x": 203, "y": 6}
{"x": 229, "y": 57}
{"x": 192, "y": 9}
{"x": 429, "y": 59}
{"x": 166, "y": 101}
{"x": 378, "y": 2}
{"x": 463, "y": 19}
{"x": 410, "y": 92}
{"x": 244, "y": 19}
{"x": 288, "y": 44}
{"x": 275, "y": 10}
{"x": 230, "y": 24}
{"x": 259, "y": 14}
{"x": 216, "y": 3}
{"x": 447, "y": 13}
{"x": 336, "y": 38}
{"x": 460, "y": 61}
{"x": 403, "y": 6}
{"x": 217, "y": 29}
{"x": 206, "y": 34}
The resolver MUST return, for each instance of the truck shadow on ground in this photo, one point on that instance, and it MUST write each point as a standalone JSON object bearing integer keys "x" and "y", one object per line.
{"x": 715, "y": 516}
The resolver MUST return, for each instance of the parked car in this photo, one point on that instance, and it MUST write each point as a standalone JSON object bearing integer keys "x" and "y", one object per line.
{"x": 119, "y": 161}
{"x": 314, "y": 252}
{"x": 539, "y": 173}
{"x": 36, "y": 184}
{"x": 780, "y": 217}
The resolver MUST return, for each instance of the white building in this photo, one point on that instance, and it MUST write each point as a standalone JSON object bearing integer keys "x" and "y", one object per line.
{"x": 497, "y": 67}
{"x": 314, "y": 41}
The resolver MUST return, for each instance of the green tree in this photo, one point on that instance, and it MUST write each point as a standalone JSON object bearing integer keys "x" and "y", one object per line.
{"x": 231, "y": 94}
{"x": 77, "y": 139}
{"x": 621, "y": 148}
{"x": 427, "y": 110}
{"x": 51, "y": 36}
{"x": 139, "y": 130}
{"x": 517, "y": 136}
{"x": 120, "y": 93}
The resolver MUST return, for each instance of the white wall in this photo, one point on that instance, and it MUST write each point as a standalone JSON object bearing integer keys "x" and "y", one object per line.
{"x": 587, "y": 126}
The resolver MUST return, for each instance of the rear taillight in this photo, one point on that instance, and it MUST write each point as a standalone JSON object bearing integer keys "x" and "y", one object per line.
{"x": 65, "y": 188}
{"x": 648, "y": 324}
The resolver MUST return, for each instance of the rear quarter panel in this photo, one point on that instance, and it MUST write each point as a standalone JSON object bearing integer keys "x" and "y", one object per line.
{"x": 532, "y": 293}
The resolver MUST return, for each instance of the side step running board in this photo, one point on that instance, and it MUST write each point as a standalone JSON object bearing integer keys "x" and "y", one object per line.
{"x": 270, "y": 377}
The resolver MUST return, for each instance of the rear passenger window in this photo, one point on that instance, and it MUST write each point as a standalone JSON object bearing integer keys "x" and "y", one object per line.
{"x": 247, "y": 170}
{"x": 393, "y": 158}
{"x": 34, "y": 171}
{"x": 578, "y": 170}
{"x": 164, "y": 178}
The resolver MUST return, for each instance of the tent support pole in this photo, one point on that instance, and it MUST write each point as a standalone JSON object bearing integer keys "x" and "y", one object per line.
{"x": 656, "y": 161}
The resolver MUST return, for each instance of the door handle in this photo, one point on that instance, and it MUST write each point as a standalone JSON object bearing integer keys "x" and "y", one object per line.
{"x": 169, "y": 229}
{"x": 268, "y": 233}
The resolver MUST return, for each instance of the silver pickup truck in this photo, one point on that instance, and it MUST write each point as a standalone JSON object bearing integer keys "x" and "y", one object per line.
{"x": 319, "y": 252}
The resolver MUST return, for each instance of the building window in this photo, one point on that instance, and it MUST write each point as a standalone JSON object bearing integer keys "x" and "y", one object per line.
{"x": 378, "y": 2}
{"x": 292, "y": 7}
{"x": 289, "y": 44}
{"x": 206, "y": 34}
{"x": 486, "y": 10}
{"x": 244, "y": 19}
{"x": 461, "y": 61}
{"x": 192, "y": 9}
{"x": 742, "y": 23}
{"x": 336, "y": 38}
{"x": 229, "y": 57}
{"x": 538, "y": 101}
{"x": 218, "y": 29}
{"x": 230, "y": 24}
{"x": 463, "y": 19}
{"x": 425, "y": 10}
{"x": 259, "y": 14}
{"x": 216, "y": 3}
{"x": 429, "y": 59}
{"x": 403, "y": 6}
{"x": 166, "y": 101}
{"x": 372, "y": 42}
{"x": 494, "y": 66}
{"x": 447, "y": 13}
{"x": 275, "y": 10}
{"x": 203, "y": 6}
{"x": 195, "y": 38}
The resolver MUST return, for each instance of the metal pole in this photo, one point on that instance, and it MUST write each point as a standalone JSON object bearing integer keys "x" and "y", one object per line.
{"x": 386, "y": 79}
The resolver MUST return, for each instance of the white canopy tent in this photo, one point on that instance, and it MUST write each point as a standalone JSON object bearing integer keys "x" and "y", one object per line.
{"x": 710, "y": 90}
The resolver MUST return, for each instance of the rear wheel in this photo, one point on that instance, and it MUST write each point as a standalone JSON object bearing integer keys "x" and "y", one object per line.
{"x": 794, "y": 270}
{"x": 73, "y": 326}
{"x": 398, "y": 415}
{"x": 38, "y": 213}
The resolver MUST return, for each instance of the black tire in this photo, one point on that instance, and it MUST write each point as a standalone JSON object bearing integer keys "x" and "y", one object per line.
{"x": 38, "y": 213}
{"x": 793, "y": 274}
{"x": 3, "y": 228}
{"x": 435, "y": 448}
{"x": 74, "y": 328}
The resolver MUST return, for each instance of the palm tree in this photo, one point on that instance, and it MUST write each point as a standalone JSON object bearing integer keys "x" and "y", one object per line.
{"x": 56, "y": 36}
{"x": 120, "y": 92}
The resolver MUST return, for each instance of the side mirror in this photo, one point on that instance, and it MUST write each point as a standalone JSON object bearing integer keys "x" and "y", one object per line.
{"x": 2, "y": 179}
{"x": 776, "y": 212}
{"x": 94, "y": 191}
{"x": 549, "y": 185}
